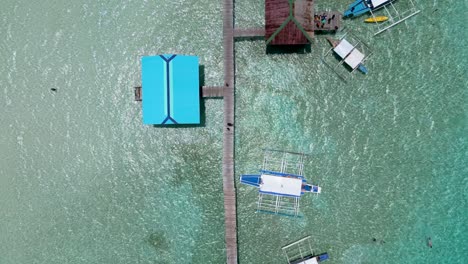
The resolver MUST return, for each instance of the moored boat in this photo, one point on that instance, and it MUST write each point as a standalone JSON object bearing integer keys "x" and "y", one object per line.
{"x": 360, "y": 7}
{"x": 351, "y": 55}
{"x": 280, "y": 183}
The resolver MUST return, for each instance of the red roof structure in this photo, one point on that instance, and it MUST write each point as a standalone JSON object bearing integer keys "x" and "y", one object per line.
{"x": 289, "y": 22}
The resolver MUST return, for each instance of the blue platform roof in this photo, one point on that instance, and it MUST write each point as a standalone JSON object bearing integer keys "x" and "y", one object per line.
{"x": 170, "y": 90}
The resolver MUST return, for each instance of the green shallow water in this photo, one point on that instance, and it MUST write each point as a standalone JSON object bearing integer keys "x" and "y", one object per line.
{"x": 83, "y": 181}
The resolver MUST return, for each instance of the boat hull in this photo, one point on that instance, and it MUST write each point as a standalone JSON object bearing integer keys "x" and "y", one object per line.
{"x": 362, "y": 68}
{"x": 252, "y": 180}
{"x": 376, "y": 19}
{"x": 360, "y": 7}
{"x": 357, "y": 8}
{"x": 335, "y": 42}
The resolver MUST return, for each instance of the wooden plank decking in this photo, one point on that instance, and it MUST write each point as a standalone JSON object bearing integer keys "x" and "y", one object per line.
{"x": 332, "y": 21}
{"x": 229, "y": 190}
{"x": 249, "y": 32}
{"x": 212, "y": 91}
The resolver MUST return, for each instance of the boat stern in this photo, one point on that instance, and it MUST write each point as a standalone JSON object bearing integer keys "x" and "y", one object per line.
{"x": 252, "y": 180}
{"x": 348, "y": 14}
{"x": 311, "y": 188}
{"x": 362, "y": 68}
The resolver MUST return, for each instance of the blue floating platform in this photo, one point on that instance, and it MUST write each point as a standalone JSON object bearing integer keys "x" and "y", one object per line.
{"x": 170, "y": 90}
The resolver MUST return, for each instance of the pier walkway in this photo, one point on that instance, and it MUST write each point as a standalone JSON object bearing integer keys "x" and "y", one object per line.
{"x": 229, "y": 187}
{"x": 327, "y": 21}
{"x": 249, "y": 32}
{"x": 212, "y": 91}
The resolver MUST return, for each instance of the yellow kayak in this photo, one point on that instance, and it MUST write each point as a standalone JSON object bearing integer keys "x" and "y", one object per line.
{"x": 376, "y": 19}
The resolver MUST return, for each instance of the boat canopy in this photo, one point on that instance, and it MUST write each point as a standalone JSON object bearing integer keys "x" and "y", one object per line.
{"x": 307, "y": 261}
{"x": 343, "y": 49}
{"x": 376, "y": 3}
{"x": 354, "y": 58}
{"x": 349, "y": 53}
{"x": 357, "y": 8}
{"x": 280, "y": 185}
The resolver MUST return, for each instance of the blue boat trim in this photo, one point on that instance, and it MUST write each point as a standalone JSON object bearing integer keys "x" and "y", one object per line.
{"x": 360, "y": 7}
{"x": 253, "y": 180}
{"x": 323, "y": 257}
{"x": 362, "y": 68}
{"x": 357, "y": 8}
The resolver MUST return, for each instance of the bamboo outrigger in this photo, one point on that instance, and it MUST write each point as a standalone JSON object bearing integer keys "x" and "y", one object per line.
{"x": 352, "y": 53}
{"x": 281, "y": 183}
{"x": 395, "y": 16}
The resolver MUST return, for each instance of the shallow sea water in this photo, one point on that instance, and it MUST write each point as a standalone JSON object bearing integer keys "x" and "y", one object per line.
{"x": 83, "y": 181}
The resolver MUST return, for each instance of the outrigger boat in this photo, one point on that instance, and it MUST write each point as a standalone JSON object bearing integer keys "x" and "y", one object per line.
{"x": 352, "y": 57}
{"x": 300, "y": 252}
{"x": 276, "y": 183}
{"x": 360, "y": 7}
{"x": 393, "y": 15}
{"x": 280, "y": 183}
{"x": 376, "y": 19}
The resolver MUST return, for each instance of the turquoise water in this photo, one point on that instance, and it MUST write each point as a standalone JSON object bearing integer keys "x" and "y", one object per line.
{"x": 83, "y": 181}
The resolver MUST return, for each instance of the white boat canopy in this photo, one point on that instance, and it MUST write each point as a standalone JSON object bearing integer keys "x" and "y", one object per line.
{"x": 354, "y": 58}
{"x": 343, "y": 49}
{"x": 352, "y": 51}
{"x": 349, "y": 53}
{"x": 281, "y": 185}
{"x": 309, "y": 261}
{"x": 376, "y": 3}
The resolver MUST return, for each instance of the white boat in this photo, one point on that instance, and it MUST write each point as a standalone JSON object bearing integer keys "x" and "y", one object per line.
{"x": 352, "y": 56}
{"x": 280, "y": 183}
{"x": 300, "y": 252}
{"x": 349, "y": 51}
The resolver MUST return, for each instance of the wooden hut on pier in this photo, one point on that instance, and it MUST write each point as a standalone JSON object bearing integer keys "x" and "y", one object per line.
{"x": 293, "y": 22}
{"x": 289, "y": 22}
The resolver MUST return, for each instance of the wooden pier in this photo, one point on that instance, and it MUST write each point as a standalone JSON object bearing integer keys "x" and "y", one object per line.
{"x": 327, "y": 21}
{"x": 212, "y": 91}
{"x": 229, "y": 187}
{"x": 138, "y": 93}
{"x": 249, "y": 32}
